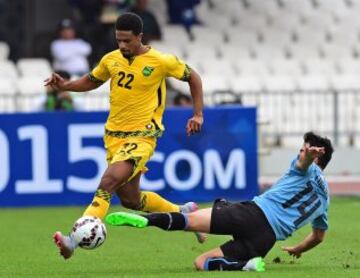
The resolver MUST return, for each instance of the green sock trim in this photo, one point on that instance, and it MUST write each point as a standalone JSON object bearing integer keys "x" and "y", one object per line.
{"x": 103, "y": 195}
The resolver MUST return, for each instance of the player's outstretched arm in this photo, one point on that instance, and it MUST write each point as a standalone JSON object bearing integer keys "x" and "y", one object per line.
{"x": 307, "y": 155}
{"x": 195, "y": 123}
{"x": 312, "y": 240}
{"x": 83, "y": 84}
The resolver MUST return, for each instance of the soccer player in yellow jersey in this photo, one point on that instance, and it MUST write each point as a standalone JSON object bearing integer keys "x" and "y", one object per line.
{"x": 137, "y": 76}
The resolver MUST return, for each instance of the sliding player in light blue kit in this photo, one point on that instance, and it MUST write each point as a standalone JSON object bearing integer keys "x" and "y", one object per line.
{"x": 298, "y": 198}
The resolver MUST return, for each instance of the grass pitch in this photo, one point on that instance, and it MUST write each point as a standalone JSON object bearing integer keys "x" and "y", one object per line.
{"x": 27, "y": 250}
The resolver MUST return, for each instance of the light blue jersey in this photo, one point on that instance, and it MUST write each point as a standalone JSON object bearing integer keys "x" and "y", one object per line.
{"x": 296, "y": 199}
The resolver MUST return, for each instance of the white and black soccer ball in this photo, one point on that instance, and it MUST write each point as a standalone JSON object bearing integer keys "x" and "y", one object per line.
{"x": 89, "y": 232}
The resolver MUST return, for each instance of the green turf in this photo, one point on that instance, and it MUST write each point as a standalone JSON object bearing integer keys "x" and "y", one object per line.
{"x": 27, "y": 250}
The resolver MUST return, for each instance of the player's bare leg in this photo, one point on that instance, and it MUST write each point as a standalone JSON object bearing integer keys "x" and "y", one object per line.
{"x": 131, "y": 197}
{"x": 192, "y": 207}
{"x": 114, "y": 176}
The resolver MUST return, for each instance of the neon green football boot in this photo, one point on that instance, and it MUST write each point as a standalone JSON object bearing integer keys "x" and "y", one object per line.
{"x": 255, "y": 264}
{"x": 126, "y": 219}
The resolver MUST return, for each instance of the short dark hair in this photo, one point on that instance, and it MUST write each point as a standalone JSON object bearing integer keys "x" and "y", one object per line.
{"x": 318, "y": 141}
{"x": 129, "y": 22}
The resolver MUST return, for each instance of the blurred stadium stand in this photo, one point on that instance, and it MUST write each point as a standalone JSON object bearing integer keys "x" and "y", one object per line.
{"x": 297, "y": 61}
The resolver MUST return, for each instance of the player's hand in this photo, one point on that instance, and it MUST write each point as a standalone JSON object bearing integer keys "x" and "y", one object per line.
{"x": 194, "y": 124}
{"x": 293, "y": 251}
{"x": 56, "y": 82}
{"x": 313, "y": 151}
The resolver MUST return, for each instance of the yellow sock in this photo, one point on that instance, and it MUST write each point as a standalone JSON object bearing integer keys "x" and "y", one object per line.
{"x": 100, "y": 204}
{"x": 152, "y": 202}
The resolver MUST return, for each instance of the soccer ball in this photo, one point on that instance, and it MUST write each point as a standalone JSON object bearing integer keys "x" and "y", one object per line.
{"x": 89, "y": 232}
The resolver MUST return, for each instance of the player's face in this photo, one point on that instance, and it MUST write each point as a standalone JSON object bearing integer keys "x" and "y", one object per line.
{"x": 67, "y": 33}
{"x": 128, "y": 43}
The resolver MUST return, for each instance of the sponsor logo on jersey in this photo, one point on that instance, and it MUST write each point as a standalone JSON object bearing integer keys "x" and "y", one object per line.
{"x": 147, "y": 71}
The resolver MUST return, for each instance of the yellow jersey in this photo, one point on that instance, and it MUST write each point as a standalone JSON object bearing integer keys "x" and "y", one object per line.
{"x": 138, "y": 90}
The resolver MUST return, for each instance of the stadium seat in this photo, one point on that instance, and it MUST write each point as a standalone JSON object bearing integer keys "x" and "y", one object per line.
{"x": 207, "y": 35}
{"x": 216, "y": 22}
{"x": 8, "y": 92}
{"x": 317, "y": 21}
{"x": 348, "y": 19}
{"x": 331, "y": 6}
{"x": 95, "y": 100}
{"x": 336, "y": 35}
{"x": 243, "y": 37}
{"x": 229, "y": 51}
{"x": 290, "y": 67}
{"x": 30, "y": 90}
{"x": 200, "y": 51}
{"x": 247, "y": 84}
{"x": 308, "y": 36}
{"x": 215, "y": 82}
{"x": 34, "y": 67}
{"x": 317, "y": 66}
{"x": 283, "y": 21}
{"x": 31, "y": 86}
{"x": 178, "y": 85}
{"x": 349, "y": 66}
{"x": 302, "y": 51}
{"x": 217, "y": 66}
{"x": 298, "y": 7}
{"x": 279, "y": 83}
{"x": 268, "y": 52}
{"x": 331, "y": 50}
{"x": 169, "y": 48}
{"x": 251, "y": 21}
{"x": 346, "y": 82}
{"x": 223, "y": 7}
{"x": 275, "y": 36}
{"x": 263, "y": 7}
{"x": 252, "y": 67}
{"x": 313, "y": 82}
{"x": 175, "y": 33}
{"x": 4, "y": 51}
{"x": 8, "y": 70}
{"x": 225, "y": 98}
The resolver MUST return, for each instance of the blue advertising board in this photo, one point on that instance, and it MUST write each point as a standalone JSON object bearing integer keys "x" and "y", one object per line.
{"x": 58, "y": 158}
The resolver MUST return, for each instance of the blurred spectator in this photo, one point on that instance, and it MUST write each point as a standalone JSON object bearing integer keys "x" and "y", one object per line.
{"x": 182, "y": 100}
{"x": 182, "y": 12}
{"x": 151, "y": 26}
{"x": 69, "y": 52}
{"x": 56, "y": 100}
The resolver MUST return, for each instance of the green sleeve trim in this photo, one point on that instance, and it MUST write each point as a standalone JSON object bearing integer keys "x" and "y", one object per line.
{"x": 94, "y": 79}
{"x": 187, "y": 73}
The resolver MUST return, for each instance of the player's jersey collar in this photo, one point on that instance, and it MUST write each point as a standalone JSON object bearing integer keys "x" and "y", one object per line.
{"x": 132, "y": 58}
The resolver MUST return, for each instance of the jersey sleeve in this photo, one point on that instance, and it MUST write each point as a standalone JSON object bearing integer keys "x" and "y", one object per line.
{"x": 320, "y": 222}
{"x": 293, "y": 169}
{"x": 296, "y": 171}
{"x": 175, "y": 67}
{"x": 100, "y": 73}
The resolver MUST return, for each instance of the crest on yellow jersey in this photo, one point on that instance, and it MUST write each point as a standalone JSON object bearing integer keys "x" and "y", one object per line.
{"x": 147, "y": 71}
